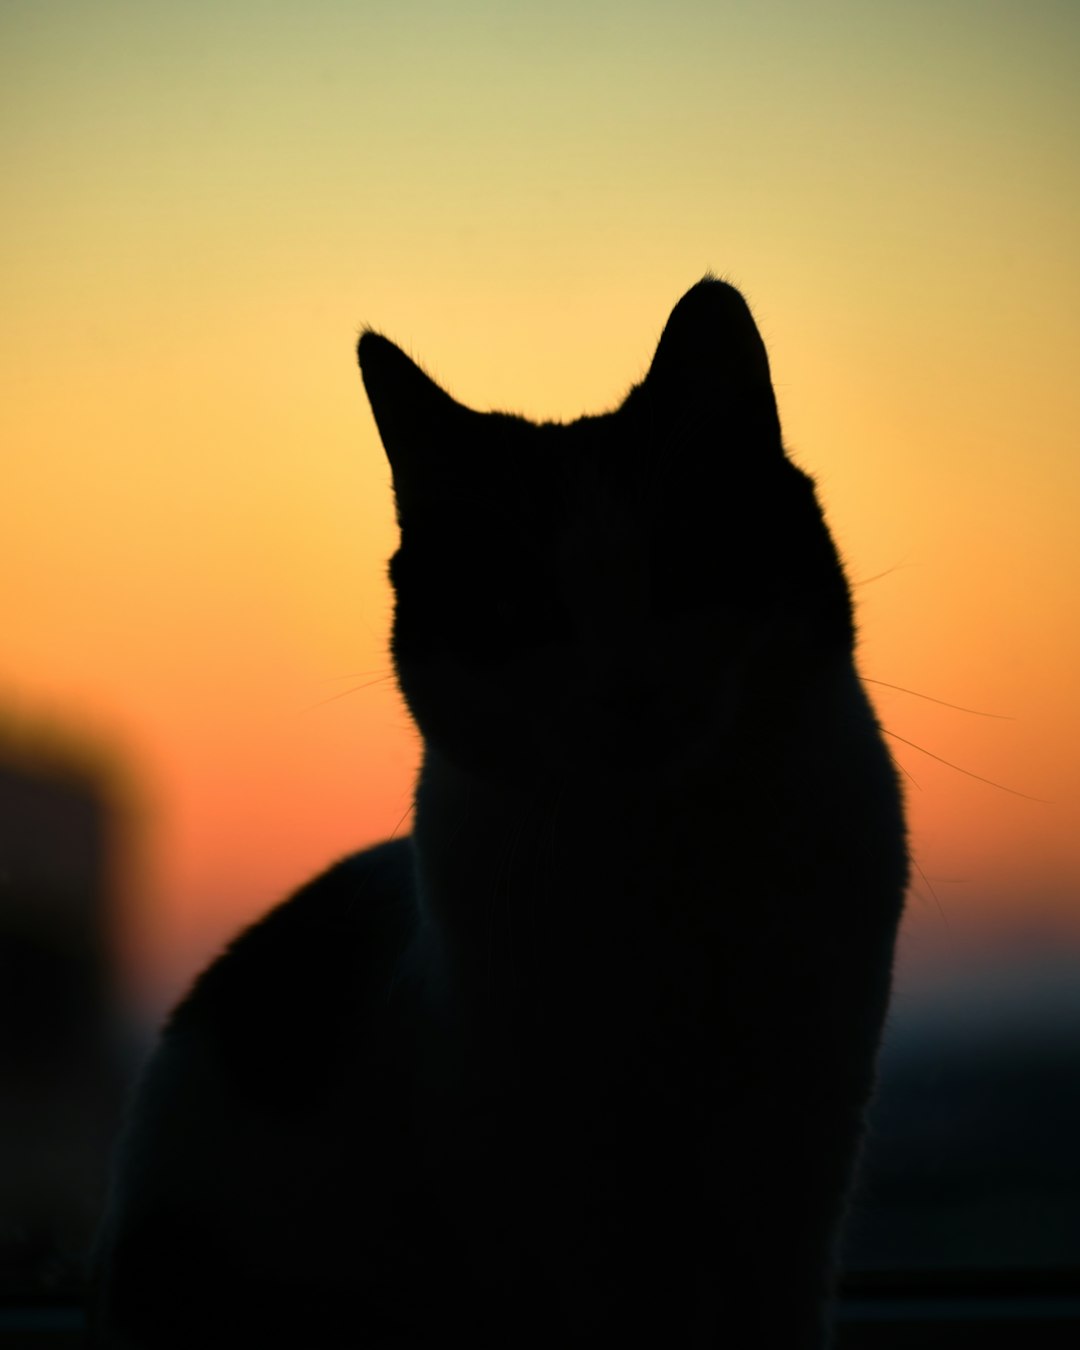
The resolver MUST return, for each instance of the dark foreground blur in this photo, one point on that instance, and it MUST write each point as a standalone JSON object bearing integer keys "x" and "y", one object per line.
{"x": 61, "y": 1071}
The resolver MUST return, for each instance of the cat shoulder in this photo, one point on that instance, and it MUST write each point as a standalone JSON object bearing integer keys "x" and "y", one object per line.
{"x": 284, "y": 999}
{"x": 234, "y": 1111}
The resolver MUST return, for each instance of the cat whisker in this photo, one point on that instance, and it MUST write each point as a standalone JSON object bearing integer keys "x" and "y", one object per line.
{"x": 937, "y": 901}
{"x": 344, "y": 693}
{"x": 404, "y": 817}
{"x": 357, "y": 674}
{"x": 968, "y": 773}
{"x": 957, "y": 707}
{"x": 879, "y": 576}
{"x": 900, "y": 768}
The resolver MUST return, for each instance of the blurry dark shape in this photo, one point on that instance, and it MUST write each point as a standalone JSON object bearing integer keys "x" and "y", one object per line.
{"x": 971, "y": 1160}
{"x": 60, "y": 1072}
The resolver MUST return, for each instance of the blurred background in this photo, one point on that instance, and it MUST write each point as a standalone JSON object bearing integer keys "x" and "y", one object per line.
{"x": 206, "y": 202}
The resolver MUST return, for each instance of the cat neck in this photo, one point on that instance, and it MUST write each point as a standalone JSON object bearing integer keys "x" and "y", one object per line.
{"x": 542, "y": 875}
{"x": 551, "y": 904}
{"x": 489, "y": 831}
{"x": 473, "y": 824}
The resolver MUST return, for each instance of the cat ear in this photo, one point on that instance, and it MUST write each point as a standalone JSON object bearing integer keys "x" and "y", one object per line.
{"x": 710, "y": 374}
{"x": 413, "y": 414}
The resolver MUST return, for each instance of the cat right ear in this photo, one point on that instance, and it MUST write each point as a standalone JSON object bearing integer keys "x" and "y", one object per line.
{"x": 412, "y": 413}
{"x": 711, "y": 370}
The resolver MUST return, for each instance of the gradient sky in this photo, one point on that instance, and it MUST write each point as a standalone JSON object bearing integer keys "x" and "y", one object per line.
{"x": 204, "y": 203}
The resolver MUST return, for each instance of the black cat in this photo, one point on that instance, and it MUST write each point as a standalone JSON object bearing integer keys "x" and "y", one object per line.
{"x": 583, "y": 1061}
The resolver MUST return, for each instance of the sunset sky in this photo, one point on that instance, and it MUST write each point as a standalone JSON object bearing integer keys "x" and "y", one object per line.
{"x": 203, "y": 205}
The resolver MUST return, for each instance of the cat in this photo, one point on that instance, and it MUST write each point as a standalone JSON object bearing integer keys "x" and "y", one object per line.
{"x": 584, "y": 1060}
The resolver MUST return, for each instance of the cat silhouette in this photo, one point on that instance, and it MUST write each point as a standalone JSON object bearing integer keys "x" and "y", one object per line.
{"x": 583, "y": 1060}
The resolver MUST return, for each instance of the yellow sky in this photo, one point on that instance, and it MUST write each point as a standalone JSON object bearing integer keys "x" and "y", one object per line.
{"x": 204, "y": 203}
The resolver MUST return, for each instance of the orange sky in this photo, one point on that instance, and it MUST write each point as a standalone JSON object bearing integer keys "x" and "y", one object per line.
{"x": 207, "y": 202}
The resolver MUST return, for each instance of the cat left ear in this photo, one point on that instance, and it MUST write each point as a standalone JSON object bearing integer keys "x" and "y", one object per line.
{"x": 411, "y": 411}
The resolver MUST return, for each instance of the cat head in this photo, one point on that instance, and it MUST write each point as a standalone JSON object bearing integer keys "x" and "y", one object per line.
{"x": 619, "y": 595}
